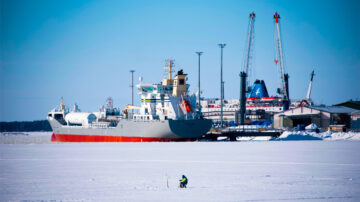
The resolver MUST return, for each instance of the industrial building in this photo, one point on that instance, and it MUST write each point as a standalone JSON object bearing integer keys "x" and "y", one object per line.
{"x": 323, "y": 117}
{"x": 351, "y": 104}
{"x": 355, "y": 120}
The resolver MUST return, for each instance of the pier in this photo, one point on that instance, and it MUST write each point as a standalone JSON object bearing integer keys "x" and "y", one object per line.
{"x": 240, "y": 131}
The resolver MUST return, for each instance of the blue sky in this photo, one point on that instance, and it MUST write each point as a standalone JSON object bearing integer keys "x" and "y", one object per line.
{"x": 83, "y": 50}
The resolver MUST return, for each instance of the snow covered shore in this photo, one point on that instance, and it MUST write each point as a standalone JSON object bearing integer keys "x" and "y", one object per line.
{"x": 45, "y": 137}
{"x": 328, "y": 135}
{"x": 217, "y": 171}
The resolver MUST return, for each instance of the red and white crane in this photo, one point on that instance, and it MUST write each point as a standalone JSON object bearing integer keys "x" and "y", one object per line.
{"x": 279, "y": 61}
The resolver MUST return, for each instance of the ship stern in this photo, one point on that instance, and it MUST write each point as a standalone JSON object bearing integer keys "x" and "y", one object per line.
{"x": 191, "y": 129}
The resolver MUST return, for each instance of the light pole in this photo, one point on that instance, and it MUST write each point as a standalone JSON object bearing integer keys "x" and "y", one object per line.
{"x": 199, "y": 54}
{"x": 221, "y": 45}
{"x": 132, "y": 90}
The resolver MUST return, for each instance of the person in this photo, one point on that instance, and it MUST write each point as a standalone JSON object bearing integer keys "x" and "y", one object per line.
{"x": 183, "y": 182}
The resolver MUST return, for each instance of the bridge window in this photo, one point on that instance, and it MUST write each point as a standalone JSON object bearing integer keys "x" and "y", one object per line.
{"x": 146, "y": 89}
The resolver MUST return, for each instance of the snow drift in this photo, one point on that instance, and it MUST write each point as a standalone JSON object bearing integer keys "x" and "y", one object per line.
{"x": 328, "y": 135}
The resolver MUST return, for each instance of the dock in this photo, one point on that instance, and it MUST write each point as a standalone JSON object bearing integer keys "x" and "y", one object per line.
{"x": 233, "y": 132}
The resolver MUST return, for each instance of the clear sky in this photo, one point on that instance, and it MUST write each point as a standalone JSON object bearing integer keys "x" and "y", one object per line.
{"x": 83, "y": 50}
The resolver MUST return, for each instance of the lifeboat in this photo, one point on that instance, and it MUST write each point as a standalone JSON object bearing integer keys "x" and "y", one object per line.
{"x": 186, "y": 105}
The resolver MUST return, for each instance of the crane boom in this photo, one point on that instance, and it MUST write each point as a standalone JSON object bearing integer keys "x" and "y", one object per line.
{"x": 279, "y": 54}
{"x": 249, "y": 41}
{"x": 280, "y": 64}
{"x": 131, "y": 107}
{"x": 243, "y": 74}
{"x": 310, "y": 85}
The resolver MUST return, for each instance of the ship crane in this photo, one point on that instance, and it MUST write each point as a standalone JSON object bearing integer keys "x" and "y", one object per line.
{"x": 126, "y": 110}
{"x": 244, "y": 74}
{"x": 310, "y": 86}
{"x": 284, "y": 78}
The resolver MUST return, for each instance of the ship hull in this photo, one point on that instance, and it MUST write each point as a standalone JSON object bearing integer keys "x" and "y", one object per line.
{"x": 101, "y": 138}
{"x": 132, "y": 131}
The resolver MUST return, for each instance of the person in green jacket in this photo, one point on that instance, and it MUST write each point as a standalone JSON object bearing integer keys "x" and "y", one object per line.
{"x": 183, "y": 182}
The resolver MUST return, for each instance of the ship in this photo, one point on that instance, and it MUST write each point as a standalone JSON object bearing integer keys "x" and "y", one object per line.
{"x": 259, "y": 105}
{"x": 167, "y": 112}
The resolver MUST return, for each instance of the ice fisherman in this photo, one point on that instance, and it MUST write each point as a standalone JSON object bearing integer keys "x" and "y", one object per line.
{"x": 183, "y": 182}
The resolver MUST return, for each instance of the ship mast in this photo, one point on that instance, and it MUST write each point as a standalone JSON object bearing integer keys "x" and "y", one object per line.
{"x": 169, "y": 69}
{"x": 132, "y": 89}
{"x": 62, "y": 105}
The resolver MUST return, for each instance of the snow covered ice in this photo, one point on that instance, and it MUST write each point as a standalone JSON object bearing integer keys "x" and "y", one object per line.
{"x": 25, "y": 137}
{"x": 217, "y": 171}
{"x": 328, "y": 135}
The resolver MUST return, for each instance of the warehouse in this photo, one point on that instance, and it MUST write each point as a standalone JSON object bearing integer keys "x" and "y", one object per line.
{"x": 323, "y": 117}
{"x": 355, "y": 120}
{"x": 350, "y": 104}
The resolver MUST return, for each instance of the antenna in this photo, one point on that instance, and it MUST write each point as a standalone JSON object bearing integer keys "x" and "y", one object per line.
{"x": 109, "y": 103}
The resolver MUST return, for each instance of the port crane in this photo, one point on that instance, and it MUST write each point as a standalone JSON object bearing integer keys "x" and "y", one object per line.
{"x": 310, "y": 86}
{"x": 308, "y": 101}
{"x": 249, "y": 45}
{"x": 284, "y": 77}
{"x": 244, "y": 82}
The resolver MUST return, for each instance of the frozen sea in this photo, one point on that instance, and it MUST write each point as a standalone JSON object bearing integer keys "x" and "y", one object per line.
{"x": 217, "y": 171}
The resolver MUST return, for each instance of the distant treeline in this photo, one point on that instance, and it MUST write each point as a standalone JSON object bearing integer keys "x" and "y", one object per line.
{"x": 25, "y": 126}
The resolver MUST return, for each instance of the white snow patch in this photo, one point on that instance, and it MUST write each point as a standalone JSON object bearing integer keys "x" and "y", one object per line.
{"x": 328, "y": 135}
{"x": 253, "y": 138}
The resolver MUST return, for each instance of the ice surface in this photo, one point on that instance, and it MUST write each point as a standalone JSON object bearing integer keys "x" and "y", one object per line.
{"x": 45, "y": 137}
{"x": 217, "y": 171}
{"x": 25, "y": 137}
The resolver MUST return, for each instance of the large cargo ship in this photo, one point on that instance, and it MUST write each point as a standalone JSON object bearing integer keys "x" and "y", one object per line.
{"x": 167, "y": 113}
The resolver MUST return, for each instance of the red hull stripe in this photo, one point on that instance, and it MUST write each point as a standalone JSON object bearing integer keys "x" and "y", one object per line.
{"x": 98, "y": 138}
